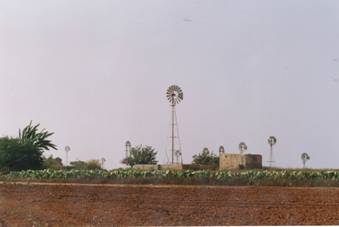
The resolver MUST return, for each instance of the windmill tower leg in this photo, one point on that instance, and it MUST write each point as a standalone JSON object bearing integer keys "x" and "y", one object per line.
{"x": 173, "y": 148}
{"x": 178, "y": 139}
{"x": 126, "y": 152}
{"x": 66, "y": 158}
{"x": 271, "y": 151}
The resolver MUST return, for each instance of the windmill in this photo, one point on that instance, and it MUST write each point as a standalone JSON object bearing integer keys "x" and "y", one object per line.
{"x": 221, "y": 150}
{"x": 271, "y": 141}
{"x": 67, "y": 149}
{"x": 178, "y": 156}
{"x": 304, "y": 157}
{"x": 103, "y": 160}
{"x": 242, "y": 147}
{"x": 128, "y": 148}
{"x": 174, "y": 95}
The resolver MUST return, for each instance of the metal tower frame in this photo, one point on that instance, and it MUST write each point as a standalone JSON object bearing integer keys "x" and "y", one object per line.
{"x": 174, "y": 96}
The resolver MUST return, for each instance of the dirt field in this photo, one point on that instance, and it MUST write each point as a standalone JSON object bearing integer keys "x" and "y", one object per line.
{"x": 88, "y": 205}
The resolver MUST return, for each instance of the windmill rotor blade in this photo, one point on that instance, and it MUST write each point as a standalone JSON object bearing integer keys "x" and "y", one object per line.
{"x": 272, "y": 140}
{"x": 174, "y": 94}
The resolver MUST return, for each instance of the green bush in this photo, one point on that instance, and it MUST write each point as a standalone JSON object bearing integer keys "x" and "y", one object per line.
{"x": 205, "y": 157}
{"x": 141, "y": 155}
{"x": 52, "y": 163}
{"x": 82, "y": 165}
{"x": 16, "y": 155}
{"x": 93, "y": 164}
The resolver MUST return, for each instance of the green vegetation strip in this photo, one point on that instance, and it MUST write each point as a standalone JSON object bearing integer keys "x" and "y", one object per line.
{"x": 243, "y": 177}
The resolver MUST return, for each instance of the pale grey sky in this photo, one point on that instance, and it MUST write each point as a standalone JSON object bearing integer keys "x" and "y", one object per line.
{"x": 95, "y": 73}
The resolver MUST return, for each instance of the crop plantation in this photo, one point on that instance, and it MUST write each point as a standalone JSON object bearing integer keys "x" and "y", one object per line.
{"x": 269, "y": 177}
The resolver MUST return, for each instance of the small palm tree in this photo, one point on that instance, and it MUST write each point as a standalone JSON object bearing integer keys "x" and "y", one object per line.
{"x": 30, "y": 134}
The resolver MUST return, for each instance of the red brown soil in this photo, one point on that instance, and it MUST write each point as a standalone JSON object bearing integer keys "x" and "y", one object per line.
{"x": 107, "y": 205}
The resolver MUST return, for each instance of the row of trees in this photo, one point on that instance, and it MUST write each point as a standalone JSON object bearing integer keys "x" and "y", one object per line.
{"x": 26, "y": 152}
{"x": 147, "y": 155}
{"x": 56, "y": 163}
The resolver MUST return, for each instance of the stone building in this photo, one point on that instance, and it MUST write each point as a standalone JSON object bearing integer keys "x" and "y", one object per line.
{"x": 228, "y": 161}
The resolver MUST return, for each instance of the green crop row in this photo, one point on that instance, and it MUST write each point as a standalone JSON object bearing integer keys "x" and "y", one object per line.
{"x": 243, "y": 177}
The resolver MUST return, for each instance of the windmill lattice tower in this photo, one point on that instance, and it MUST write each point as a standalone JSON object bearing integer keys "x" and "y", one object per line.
{"x": 67, "y": 150}
{"x": 271, "y": 141}
{"x": 175, "y": 95}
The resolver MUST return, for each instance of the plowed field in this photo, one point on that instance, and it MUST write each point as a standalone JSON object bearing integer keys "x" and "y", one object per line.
{"x": 105, "y": 205}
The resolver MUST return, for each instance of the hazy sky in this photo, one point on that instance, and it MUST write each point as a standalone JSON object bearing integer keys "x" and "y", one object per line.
{"x": 96, "y": 72}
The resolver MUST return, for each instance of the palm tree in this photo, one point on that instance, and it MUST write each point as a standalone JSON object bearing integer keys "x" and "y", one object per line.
{"x": 30, "y": 134}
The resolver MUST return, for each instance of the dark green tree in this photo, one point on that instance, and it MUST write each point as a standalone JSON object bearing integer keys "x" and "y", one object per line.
{"x": 82, "y": 165}
{"x": 205, "y": 157}
{"x": 93, "y": 164}
{"x": 78, "y": 165}
{"x": 141, "y": 155}
{"x": 25, "y": 152}
{"x": 16, "y": 155}
{"x": 52, "y": 163}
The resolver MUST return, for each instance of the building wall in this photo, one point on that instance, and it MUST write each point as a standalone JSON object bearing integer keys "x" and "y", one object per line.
{"x": 253, "y": 161}
{"x": 199, "y": 167}
{"x": 230, "y": 161}
{"x": 170, "y": 167}
{"x": 239, "y": 161}
{"x": 226, "y": 162}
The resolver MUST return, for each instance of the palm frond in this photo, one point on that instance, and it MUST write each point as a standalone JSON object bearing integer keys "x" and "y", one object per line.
{"x": 39, "y": 139}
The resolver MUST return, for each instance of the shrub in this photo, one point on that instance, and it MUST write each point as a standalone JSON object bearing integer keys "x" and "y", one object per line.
{"x": 17, "y": 155}
{"x": 141, "y": 155}
{"x": 205, "y": 158}
{"x": 82, "y": 165}
{"x": 93, "y": 164}
{"x": 52, "y": 163}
